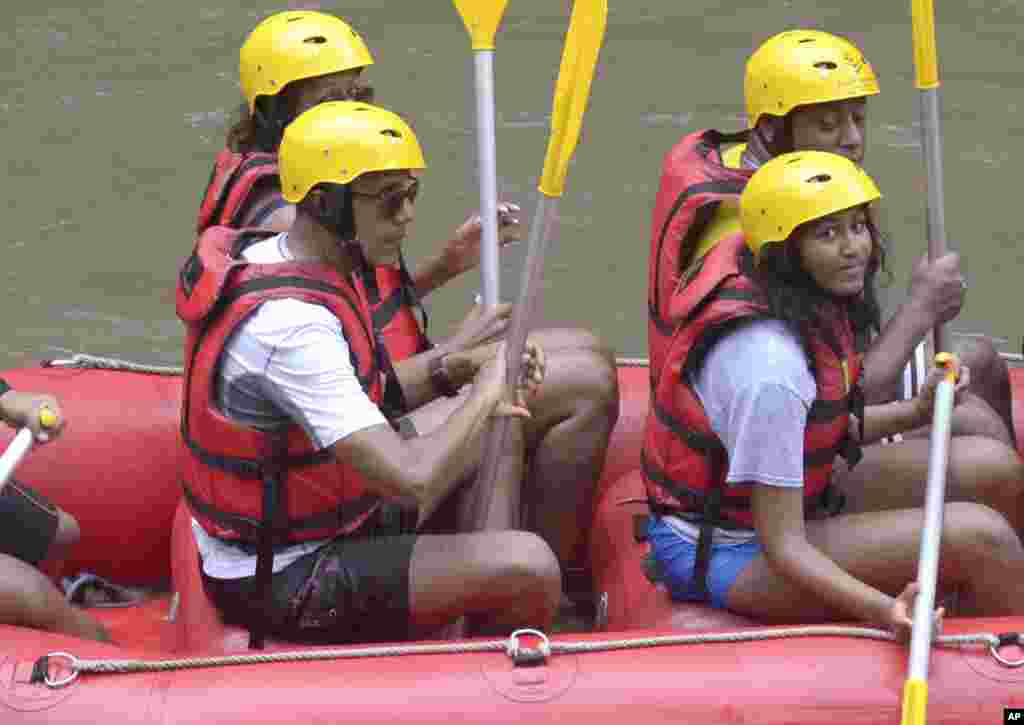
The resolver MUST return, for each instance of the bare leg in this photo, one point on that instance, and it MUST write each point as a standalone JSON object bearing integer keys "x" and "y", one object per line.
{"x": 29, "y": 599}
{"x": 981, "y": 556}
{"x": 501, "y": 580}
{"x": 990, "y": 380}
{"x": 573, "y": 418}
{"x": 66, "y": 537}
{"x": 981, "y": 470}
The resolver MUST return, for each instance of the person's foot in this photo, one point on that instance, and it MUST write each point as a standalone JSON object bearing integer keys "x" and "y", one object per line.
{"x": 92, "y": 591}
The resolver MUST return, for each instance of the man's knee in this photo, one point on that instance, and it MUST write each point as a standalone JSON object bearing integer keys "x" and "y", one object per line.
{"x": 981, "y": 356}
{"x": 523, "y": 562}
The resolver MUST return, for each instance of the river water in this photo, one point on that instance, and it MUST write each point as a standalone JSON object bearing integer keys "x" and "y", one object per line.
{"x": 112, "y": 114}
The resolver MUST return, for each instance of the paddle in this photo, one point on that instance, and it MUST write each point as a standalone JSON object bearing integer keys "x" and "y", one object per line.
{"x": 579, "y": 60}
{"x": 915, "y": 690}
{"x": 926, "y": 64}
{"x": 21, "y": 445}
{"x": 481, "y": 18}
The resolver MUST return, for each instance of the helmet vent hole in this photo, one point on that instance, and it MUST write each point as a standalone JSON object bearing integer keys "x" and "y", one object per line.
{"x": 297, "y": 17}
{"x": 806, "y": 40}
{"x": 391, "y": 132}
{"x": 826, "y": 65}
{"x": 820, "y": 179}
{"x": 316, "y": 39}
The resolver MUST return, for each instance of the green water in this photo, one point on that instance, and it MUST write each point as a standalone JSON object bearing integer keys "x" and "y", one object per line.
{"x": 111, "y": 116}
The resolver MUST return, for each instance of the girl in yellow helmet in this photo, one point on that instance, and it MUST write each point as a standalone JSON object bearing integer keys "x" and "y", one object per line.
{"x": 809, "y": 90}
{"x": 770, "y": 377}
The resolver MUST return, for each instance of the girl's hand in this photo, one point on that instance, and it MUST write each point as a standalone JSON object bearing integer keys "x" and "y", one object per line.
{"x": 463, "y": 251}
{"x": 900, "y": 620}
{"x": 925, "y": 400}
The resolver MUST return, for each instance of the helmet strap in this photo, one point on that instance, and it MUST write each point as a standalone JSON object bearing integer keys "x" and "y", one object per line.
{"x": 336, "y": 214}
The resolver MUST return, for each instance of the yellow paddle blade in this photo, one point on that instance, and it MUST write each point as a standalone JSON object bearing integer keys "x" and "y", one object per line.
{"x": 926, "y": 60}
{"x": 482, "y": 18}
{"x": 579, "y": 59}
{"x": 915, "y": 702}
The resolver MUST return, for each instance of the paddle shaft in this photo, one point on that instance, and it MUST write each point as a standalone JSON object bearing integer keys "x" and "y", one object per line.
{"x": 544, "y": 219}
{"x": 934, "y": 505}
{"x": 14, "y": 454}
{"x": 915, "y": 690}
{"x": 483, "y": 66}
{"x": 932, "y": 146}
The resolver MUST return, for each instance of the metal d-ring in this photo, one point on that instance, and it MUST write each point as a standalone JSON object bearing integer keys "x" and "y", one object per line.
{"x": 1003, "y": 640}
{"x": 513, "y": 650}
{"x": 56, "y": 684}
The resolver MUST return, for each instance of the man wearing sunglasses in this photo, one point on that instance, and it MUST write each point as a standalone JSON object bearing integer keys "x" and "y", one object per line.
{"x": 330, "y": 536}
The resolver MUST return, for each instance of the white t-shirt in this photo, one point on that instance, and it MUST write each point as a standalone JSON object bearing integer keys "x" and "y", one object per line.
{"x": 288, "y": 363}
{"x": 756, "y": 388}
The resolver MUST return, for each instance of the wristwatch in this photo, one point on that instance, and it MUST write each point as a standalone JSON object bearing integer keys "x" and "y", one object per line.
{"x": 440, "y": 379}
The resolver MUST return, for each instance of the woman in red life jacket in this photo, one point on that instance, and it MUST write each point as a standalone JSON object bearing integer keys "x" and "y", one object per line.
{"x": 296, "y": 59}
{"x": 760, "y": 393}
{"x": 809, "y": 90}
{"x": 34, "y": 533}
{"x": 309, "y": 503}
{"x": 804, "y": 90}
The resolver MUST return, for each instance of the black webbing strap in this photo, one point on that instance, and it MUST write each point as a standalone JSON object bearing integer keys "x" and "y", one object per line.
{"x": 272, "y": 509}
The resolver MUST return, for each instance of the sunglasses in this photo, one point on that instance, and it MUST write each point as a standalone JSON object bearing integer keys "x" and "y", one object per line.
{"x": 391, "y": 201}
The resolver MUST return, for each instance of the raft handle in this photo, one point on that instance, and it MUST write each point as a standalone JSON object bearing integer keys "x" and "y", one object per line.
{"x": 1001, "y": 641}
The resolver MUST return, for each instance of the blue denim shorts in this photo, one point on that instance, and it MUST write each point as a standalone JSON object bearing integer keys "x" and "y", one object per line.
{"x": 676, "y": 557}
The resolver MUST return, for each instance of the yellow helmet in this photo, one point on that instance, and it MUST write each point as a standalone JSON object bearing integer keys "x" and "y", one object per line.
{"x": 297, "y": 44}
{"x": 338, "y": 141}
{"x": 799, "y": 67}
{"x": 796, "y": 188}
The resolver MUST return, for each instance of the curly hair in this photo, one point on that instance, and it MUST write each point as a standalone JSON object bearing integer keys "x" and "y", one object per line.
{"x": 251, "y": 133}
{"x": 792, "y": 295}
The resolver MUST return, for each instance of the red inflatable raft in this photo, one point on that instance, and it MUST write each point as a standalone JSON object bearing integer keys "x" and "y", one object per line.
{"x": 115, "y": 470}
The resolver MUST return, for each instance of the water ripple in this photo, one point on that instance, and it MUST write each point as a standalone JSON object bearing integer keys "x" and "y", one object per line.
{"x": 207, "y": 119}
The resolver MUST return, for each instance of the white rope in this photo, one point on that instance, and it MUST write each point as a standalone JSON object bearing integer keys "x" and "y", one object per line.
{"x": 511, "y": 645}
{"x": 95, "y": 362}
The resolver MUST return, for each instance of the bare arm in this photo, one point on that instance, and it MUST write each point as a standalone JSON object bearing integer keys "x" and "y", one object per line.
{"x": 422, "y": 471}
{"x": 903, "y": 415}
{"x": 779, "y": 519}
{"x": 936, "y": 296}
{"x": 463, "y": 354}
{"x": 462, "y": 252}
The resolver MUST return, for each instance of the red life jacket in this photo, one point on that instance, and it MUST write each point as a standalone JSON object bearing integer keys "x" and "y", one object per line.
{"x": 684, "y": 462}
{"x": 389, "y": 290}
{"x": 231, "y": 183}
{"x": 391, "y": 293}
{"x": 694, "y": 180}
{"x": 228, "y": 469}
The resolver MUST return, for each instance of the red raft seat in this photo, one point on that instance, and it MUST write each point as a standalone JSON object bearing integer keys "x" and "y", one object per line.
{"x": 627, "y": 598}
{"x": 199, "y": 627}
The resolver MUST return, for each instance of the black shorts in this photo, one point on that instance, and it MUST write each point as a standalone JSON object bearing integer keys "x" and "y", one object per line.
{"x": 28, "y": 523}
{"x": 352, "y": 589}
